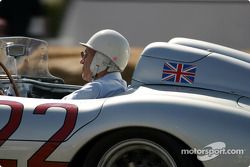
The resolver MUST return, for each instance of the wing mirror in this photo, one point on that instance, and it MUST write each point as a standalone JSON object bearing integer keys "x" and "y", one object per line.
{"x": 15, "y": 50}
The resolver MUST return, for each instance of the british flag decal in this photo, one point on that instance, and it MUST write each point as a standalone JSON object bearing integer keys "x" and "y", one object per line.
{"x": 179, "y": 73}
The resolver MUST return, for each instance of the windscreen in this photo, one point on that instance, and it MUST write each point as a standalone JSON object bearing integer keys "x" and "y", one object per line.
{"x": 24, "y": 57}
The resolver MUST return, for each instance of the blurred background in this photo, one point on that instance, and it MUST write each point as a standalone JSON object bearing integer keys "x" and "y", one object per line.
{"x": 64, "y": 23}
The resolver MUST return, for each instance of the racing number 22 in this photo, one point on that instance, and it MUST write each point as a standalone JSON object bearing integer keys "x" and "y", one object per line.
{"x": 11, "y": 127}
{"x": 39, "y": 158}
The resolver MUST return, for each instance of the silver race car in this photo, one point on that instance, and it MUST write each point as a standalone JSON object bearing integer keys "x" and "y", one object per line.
{"x": 188, "y": 105}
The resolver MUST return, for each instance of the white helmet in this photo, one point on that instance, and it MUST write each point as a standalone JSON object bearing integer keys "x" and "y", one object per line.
{"x": 112, "y": 48}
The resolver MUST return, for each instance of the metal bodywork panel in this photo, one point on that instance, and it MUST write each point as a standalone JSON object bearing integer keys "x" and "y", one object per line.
{"x": 213, "y": 70}
{"x": 173, "y": 52}
{"x": 45, "y": 128}
{"x": 196, "y": 119}
{"x": 211, "y": 47}
{"x": 40, "y": 127}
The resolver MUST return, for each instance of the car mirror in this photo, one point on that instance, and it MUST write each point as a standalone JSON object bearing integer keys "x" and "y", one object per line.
{"x": 15, "y": 50}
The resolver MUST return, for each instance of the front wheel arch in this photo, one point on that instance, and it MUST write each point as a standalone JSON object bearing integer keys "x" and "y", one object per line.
{"x": 172, "y": 144}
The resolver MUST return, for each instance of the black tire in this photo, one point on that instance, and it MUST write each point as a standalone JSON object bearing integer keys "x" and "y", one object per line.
{"x": 138, "y": 147}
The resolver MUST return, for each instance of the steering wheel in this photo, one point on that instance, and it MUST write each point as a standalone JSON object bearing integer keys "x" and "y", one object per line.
{"x": 10, "y": 78}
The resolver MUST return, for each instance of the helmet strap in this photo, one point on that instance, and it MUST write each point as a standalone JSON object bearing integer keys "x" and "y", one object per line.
{"x": 99, "y": 63}
{"x": 95, "y": 75}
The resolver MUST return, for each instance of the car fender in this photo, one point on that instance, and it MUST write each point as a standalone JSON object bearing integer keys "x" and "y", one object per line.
{"x": 195, "y": 122}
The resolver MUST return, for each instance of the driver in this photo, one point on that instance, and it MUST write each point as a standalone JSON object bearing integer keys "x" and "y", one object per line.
{"x": 105, "y": 56}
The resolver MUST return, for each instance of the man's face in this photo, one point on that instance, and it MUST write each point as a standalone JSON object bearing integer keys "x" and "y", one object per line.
{"x": 87, "y": 57}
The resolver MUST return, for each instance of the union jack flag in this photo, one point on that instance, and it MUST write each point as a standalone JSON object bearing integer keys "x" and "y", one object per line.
{"x": 179, "y": 73}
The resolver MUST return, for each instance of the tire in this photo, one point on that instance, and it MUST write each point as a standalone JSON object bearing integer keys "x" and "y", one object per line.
{"x": 138, "y": 148}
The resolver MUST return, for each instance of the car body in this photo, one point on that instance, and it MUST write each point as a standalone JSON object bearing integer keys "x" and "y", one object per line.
{"x": 188, "y": 100}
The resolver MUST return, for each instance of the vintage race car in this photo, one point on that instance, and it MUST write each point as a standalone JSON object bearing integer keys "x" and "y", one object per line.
{"x": 188, "y": 105}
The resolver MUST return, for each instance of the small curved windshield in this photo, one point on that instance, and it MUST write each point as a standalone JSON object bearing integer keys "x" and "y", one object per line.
{"x": 24, "y": 57}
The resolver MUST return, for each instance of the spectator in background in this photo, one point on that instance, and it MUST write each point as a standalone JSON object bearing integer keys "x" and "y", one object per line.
{"x": 3, "y": 27}
{"x": 15, "y": 16}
